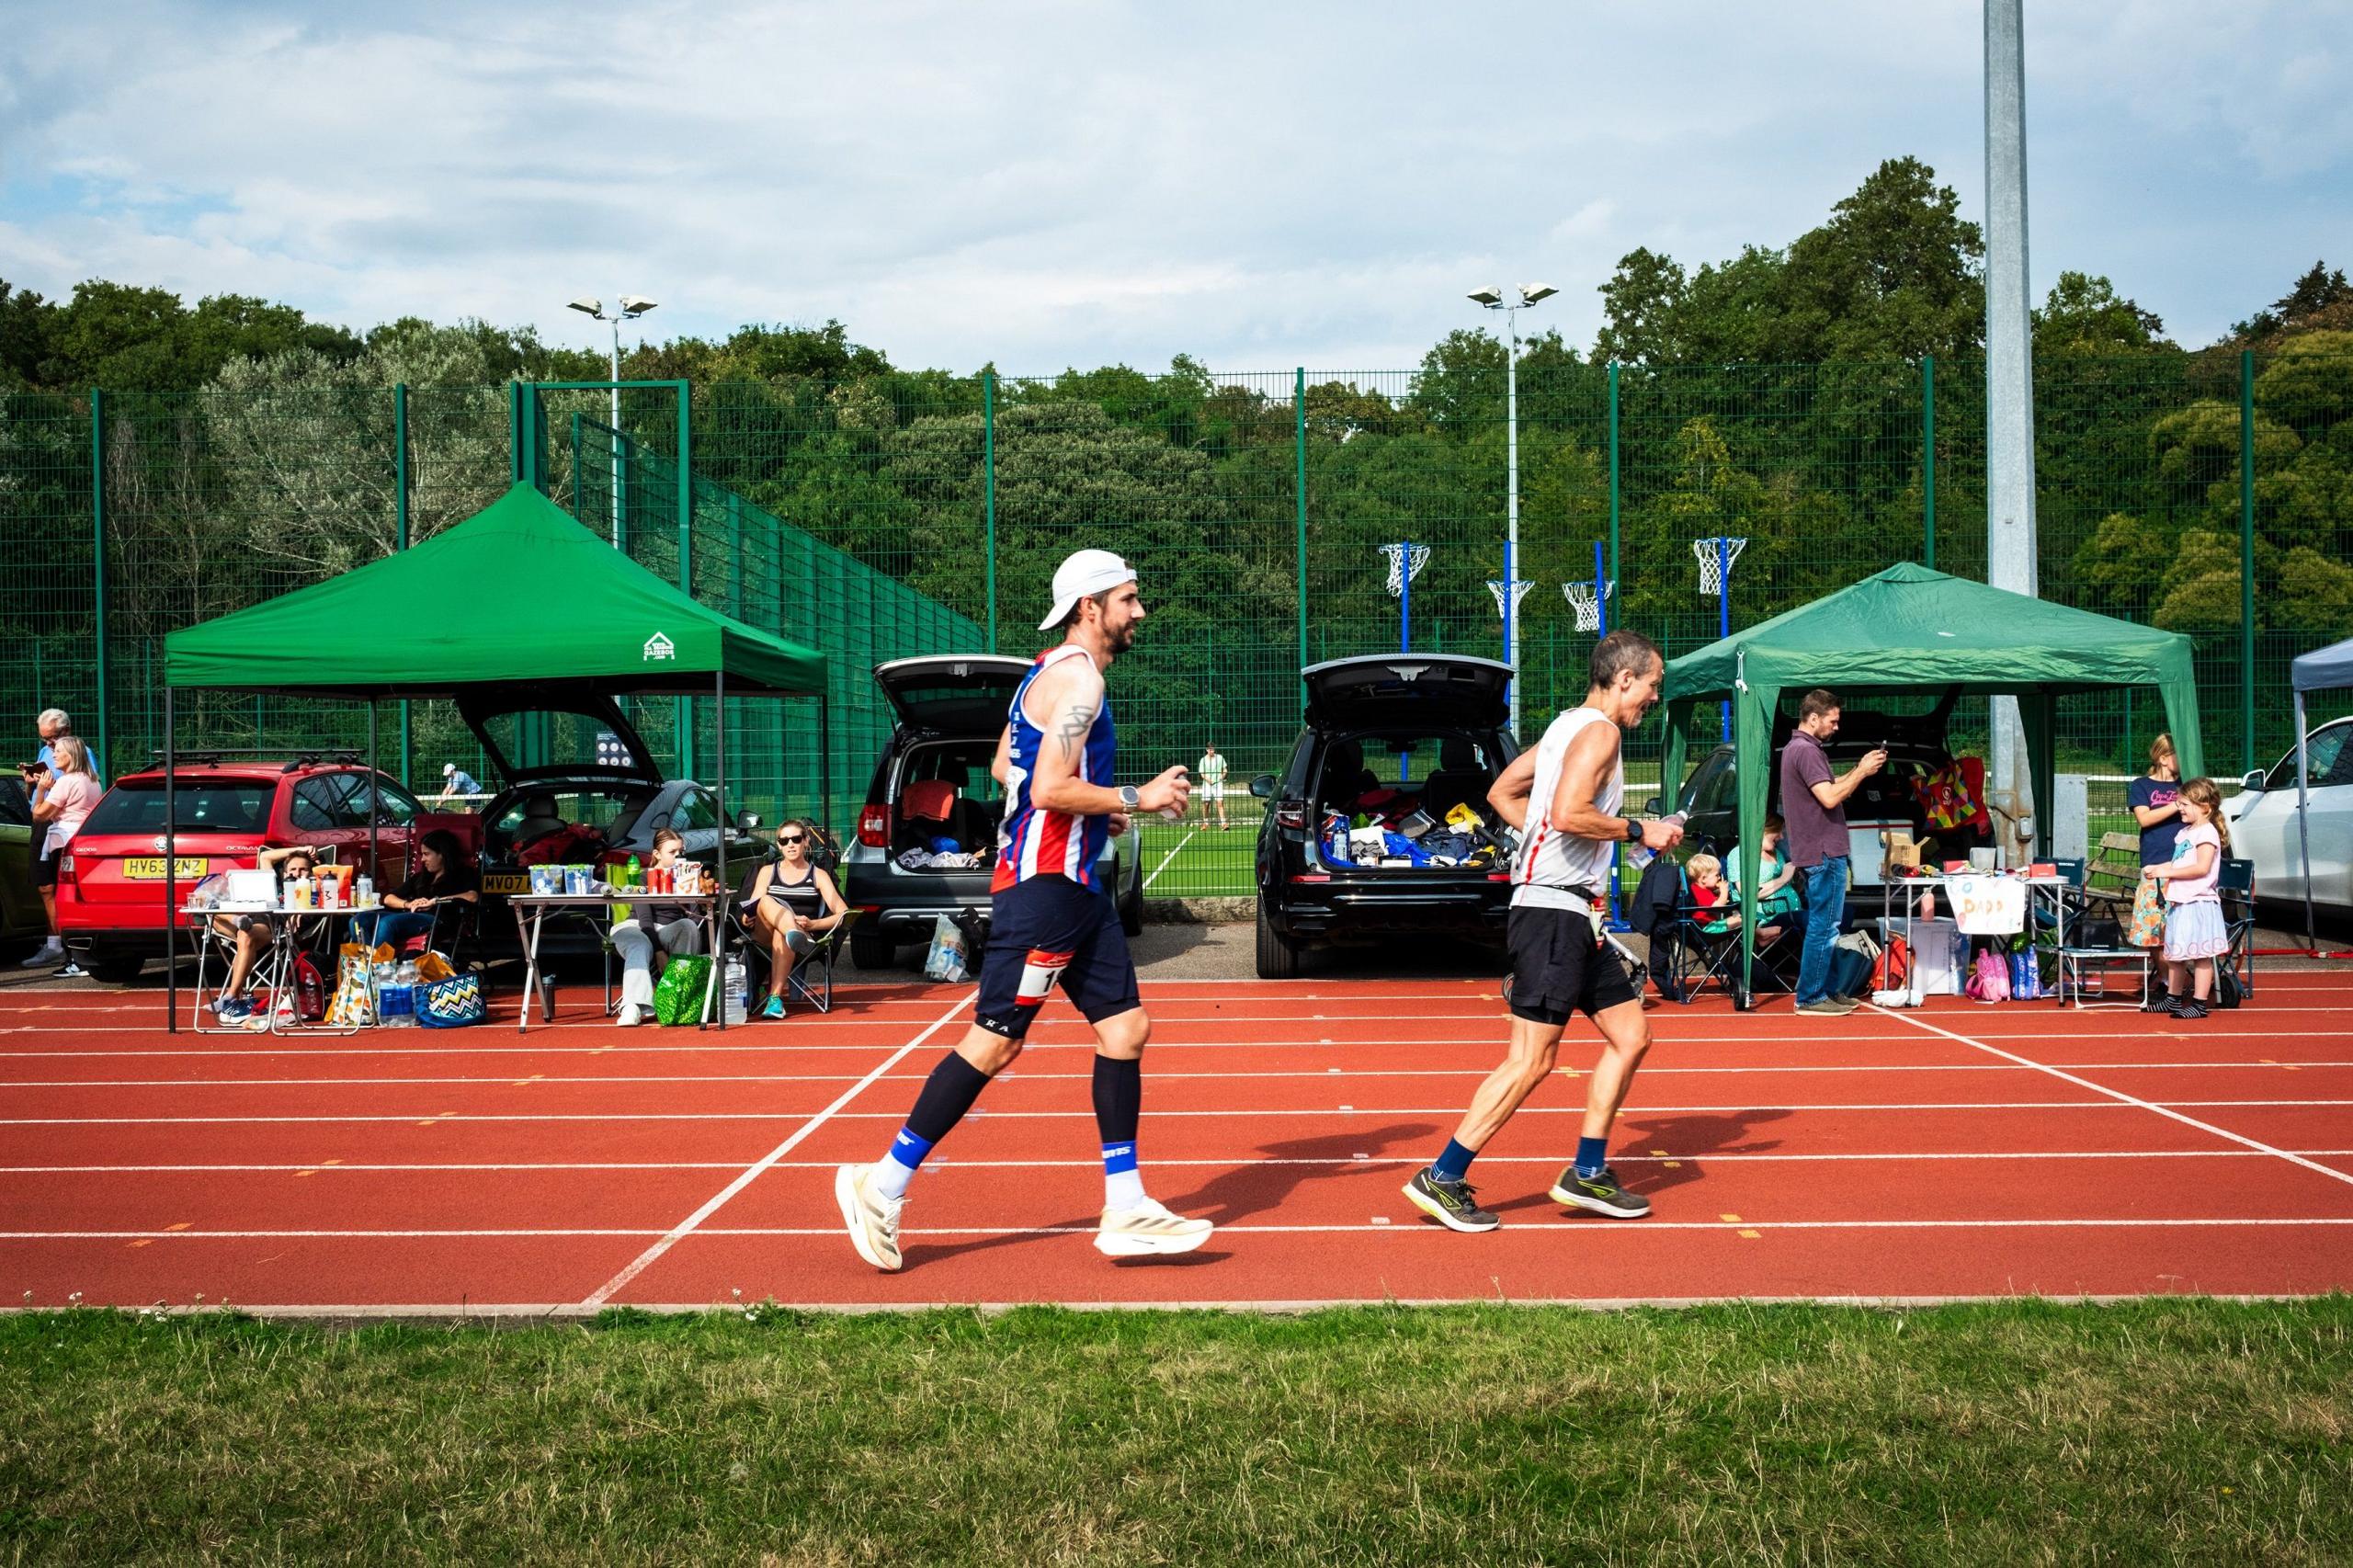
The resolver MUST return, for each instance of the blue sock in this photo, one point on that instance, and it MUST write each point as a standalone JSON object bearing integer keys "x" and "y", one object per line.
{"x": 1592, "y": 1156}
{"x": 898, "y": 1167}
{"x": 1122, "y": 1183}
{"x": 1455, "y": 1163}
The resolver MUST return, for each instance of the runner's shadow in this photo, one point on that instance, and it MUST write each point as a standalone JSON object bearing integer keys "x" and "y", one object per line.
{"x": 1687, "y": 1140}
{"x": 1261, "y": 1184}
{"x": 1079, "y": 1228}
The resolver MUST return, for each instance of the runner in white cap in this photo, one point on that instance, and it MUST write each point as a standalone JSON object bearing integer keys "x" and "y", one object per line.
{"x": 1051, "y": 922}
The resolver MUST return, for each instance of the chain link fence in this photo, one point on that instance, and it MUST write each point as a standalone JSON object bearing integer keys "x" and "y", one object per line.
{"x": 923, "y": 512}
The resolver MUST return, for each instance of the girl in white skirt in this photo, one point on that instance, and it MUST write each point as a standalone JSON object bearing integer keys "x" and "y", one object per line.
{"x": 2196, "y": 933}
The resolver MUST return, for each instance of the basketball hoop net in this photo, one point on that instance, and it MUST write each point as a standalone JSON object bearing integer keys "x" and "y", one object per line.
{"x": 1716, "y": 556}
{"x": 1402, "y": 569}
{"x": 1497, "y": 587}
{"x": 1586, "y": 605}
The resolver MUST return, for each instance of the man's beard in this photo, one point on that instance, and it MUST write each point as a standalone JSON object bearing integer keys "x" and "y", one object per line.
{"x": 1119, "y": 640}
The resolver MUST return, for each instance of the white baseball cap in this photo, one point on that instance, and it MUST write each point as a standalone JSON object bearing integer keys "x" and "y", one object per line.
{"x": 447, "y": 768}
{"x": 1086, "y": 572}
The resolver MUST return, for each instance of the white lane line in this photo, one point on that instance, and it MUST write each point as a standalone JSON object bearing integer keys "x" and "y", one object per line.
{"x": 1237, "y": 1162}
{"x": 638, "y": 1265}
{"x": 1166, "y": 858}
{"x": 1582, "y": 1228}
{"x": 2167, "y": 1111}
{"x": 546, "y": 1083}
{"x": 446, "y": 1118}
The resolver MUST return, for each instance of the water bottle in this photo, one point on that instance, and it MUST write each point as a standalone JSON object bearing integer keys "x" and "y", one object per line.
{"x": 400, "y": 1004}
{"x": 363, "y": 892}
{"x": 738, "y": 989}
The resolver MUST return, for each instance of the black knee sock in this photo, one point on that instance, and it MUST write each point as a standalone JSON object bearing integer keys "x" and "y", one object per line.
{"x": 947, "y": 1095}
{"x": 1119, "y": 1099}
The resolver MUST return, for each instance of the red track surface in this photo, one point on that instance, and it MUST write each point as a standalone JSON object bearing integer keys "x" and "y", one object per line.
{"x": 1958, "y": 1151}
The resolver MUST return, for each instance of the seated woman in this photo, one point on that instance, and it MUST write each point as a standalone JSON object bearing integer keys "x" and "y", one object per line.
{"x": 1779, "y": 904}
{"x": 670, "y": 927}
{"x": 793, "y": 901}
{"x": 442, "y": 875}
{"x": 252, "y": 932}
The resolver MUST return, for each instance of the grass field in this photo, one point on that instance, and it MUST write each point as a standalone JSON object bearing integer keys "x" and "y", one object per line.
{"x": 2024, "y": 1431}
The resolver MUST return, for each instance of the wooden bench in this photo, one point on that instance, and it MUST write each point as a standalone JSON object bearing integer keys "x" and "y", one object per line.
{"x": 2113, "y": 874}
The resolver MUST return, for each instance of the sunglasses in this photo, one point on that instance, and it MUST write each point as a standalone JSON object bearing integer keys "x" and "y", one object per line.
{"x": 791, "y": 837}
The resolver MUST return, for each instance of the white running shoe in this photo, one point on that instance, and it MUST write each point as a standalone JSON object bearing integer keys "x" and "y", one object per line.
{"x": 1148, "y": 1230}
{"x": 630, "y": 1016}
{"x": 871, "y": 1215}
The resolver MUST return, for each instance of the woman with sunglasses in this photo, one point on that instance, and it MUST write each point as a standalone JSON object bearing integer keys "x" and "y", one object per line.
{"x": 793, "y": 902}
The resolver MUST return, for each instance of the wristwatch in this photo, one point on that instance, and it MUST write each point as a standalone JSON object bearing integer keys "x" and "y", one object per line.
{"x": 1128, "y": 799}
{"x": 1633, "y": 830}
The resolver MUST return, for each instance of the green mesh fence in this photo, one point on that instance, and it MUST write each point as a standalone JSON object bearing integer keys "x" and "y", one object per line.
{"x": 924, "y": 512}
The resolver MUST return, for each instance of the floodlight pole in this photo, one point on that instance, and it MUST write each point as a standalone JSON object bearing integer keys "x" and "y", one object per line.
{"x": 1521, "y": 300}
{"x": 1723, "y": 619}
{"x": 2009, "y": 366}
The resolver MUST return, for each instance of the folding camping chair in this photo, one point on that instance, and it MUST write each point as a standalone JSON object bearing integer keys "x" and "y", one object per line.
{"x": 812, "y": 979}
{"x": 2236, "y": 888}
{"x": 2084, "y": 965}
{"x": 1714, "y": 955}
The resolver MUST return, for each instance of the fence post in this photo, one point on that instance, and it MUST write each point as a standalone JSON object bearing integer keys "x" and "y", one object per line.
{"x": 2246, "y": 560}
{"x": 687, "y": 571}
{"x": 988, "y": 489}
{"x": 514, "y": 432}
{"x": 1298, "y": 454}
{"x": 1604, "y": 587}
{"x": 1928, "y": 461}
{"x": 400, "y": 540}
{"x": 98, "y": 557}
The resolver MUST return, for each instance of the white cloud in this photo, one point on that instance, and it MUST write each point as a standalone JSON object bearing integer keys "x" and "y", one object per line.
{"x": 1043, "y": 183}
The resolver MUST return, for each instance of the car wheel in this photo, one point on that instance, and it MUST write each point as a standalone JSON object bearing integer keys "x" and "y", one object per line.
{"x": 871, "y": 949}
{"x": 1132, "y": 909}
{"x": 115, "y": 969}
{"x": 1278, "y": 955}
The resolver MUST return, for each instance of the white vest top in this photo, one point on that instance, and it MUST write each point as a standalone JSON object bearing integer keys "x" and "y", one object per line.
{"x": 1549, "y": 861}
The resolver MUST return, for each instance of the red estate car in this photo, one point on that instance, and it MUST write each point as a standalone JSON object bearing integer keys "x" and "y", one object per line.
{"x": 110, "y": 882}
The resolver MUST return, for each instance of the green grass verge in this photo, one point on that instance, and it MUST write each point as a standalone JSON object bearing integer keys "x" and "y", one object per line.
{"x": 2015, "y": 1432}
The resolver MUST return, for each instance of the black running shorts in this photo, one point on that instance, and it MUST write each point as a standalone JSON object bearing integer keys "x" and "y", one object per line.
{"x": 1560, "y": 965}
{"x": 1049, "y": 930}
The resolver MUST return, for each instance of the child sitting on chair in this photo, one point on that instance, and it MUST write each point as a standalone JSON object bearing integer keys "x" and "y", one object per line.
{"x": 1711, "y": 892}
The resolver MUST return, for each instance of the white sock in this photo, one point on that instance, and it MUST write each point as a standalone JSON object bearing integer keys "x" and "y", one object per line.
{"x": 1122, "y": 1189}
{"x": 892, "y": 1177}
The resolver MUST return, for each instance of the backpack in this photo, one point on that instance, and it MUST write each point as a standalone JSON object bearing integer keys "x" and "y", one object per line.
{"x": 1989, "y": 979}
{"x": 1853, "y": 959}
{"x": 1894, "y": 970}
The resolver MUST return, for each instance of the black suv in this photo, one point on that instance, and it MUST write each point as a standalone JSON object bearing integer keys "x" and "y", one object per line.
{"x": 951, "y": 710}
{"x": 1710, "y": 798}
{"x": 1432, "y": 726}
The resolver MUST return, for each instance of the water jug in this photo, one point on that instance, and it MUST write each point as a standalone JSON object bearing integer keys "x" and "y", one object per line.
{"x": 738, "y": 990}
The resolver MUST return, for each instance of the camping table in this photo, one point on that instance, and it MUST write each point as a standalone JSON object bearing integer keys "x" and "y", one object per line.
{"x": 275, "y": 968}
{"x": 532, "y": 909}
{"x": 1912, "y": 886}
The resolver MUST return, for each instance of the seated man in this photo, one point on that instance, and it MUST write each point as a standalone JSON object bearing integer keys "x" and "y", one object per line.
{"x": 252, "y": 931}
{"x": 653, "y": 927}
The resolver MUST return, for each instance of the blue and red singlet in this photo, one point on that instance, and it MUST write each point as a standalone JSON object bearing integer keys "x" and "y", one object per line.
{"x": 1033, "y": 841}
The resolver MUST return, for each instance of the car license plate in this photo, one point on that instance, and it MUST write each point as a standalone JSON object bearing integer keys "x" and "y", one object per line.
{"x": 506, "y": 884}
{"x": 150, "y": 870}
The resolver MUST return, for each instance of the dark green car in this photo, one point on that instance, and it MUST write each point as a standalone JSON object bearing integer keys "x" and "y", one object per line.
{"x": 21, "y": 916}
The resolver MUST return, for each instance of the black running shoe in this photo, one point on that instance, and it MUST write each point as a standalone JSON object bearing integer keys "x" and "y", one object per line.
{"x": 1600, "y": 1193}
{"x": 1450, "y": 1203}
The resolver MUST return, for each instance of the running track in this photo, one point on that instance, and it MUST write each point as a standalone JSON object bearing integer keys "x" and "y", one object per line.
{"x": 1956, "y": 1151}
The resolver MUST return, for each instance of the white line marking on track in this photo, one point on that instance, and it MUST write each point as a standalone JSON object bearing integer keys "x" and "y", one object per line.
{"x": 2116, "y": 1102}
{"x": 508, "y": 1078}
{"x": 1166, "y": 858}
{"x": 1542, "y": 1160}
{"x": 2119, "y": 1095}
{"x": 1582, "y": 1228}
{"x": 638, "y": 1265}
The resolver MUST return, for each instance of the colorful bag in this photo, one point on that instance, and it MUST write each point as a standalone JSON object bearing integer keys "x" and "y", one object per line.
{"x": 948, "y": 958}
{"x": 1989, "y": 979}
{"x": 2147, "y": 926}
{"x": 1894, "y": 970}
{"x": 678, "y": 995}
{"x": 449, "y": 1003}
{"x": 353, "y": 1005}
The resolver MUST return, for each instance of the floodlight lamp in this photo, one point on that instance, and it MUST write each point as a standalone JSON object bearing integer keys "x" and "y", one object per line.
{"x": 636, "y": 304}
{"x": 588, "y": 307}
{"x": 1530, "y": 293}
{"x": 1489, "y": 297}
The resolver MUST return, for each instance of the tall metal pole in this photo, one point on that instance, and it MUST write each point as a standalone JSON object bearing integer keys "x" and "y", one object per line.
{"x": 400, "y": 525}
{"x": 616, "y": 418}
{"x": 1299, "y": 523}
{"x": 1511, "y": 534}
{"x": 1928, "y": 461}
{"x": 2246, "y": 563}
{"x": 98, "y": 557}
{"x": 988, "y": 482}
{"x": 2010, "y": 544}
{"x": 1723, "y": 617}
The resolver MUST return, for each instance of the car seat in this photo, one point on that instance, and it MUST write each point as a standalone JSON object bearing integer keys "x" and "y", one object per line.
{"x": 1457, "y": 781}
{"x": 539, "y": 818}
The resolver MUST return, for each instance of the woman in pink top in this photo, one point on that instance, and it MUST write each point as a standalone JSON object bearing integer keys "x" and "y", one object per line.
{"x": 61, "y": 809}
{"x": 2196, "y": 933}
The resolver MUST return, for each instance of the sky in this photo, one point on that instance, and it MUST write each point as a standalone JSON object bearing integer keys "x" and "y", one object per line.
{"x": 1040, "y": 184}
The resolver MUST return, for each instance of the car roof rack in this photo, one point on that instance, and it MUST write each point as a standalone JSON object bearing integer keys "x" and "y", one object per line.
{"x": 207, "y": 757}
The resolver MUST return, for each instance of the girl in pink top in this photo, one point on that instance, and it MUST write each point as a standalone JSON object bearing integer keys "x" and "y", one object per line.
{"x": 2196, "y": 933}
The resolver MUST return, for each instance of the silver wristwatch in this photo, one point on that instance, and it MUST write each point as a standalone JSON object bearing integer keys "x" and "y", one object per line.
{"x": 1128, "y": 799}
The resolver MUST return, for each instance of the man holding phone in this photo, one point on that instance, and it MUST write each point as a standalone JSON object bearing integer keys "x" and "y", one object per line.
{"x": 1814, "y": 808}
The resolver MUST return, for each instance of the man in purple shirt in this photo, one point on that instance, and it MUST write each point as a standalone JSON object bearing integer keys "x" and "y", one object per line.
{"x": 1813, "y": 810}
